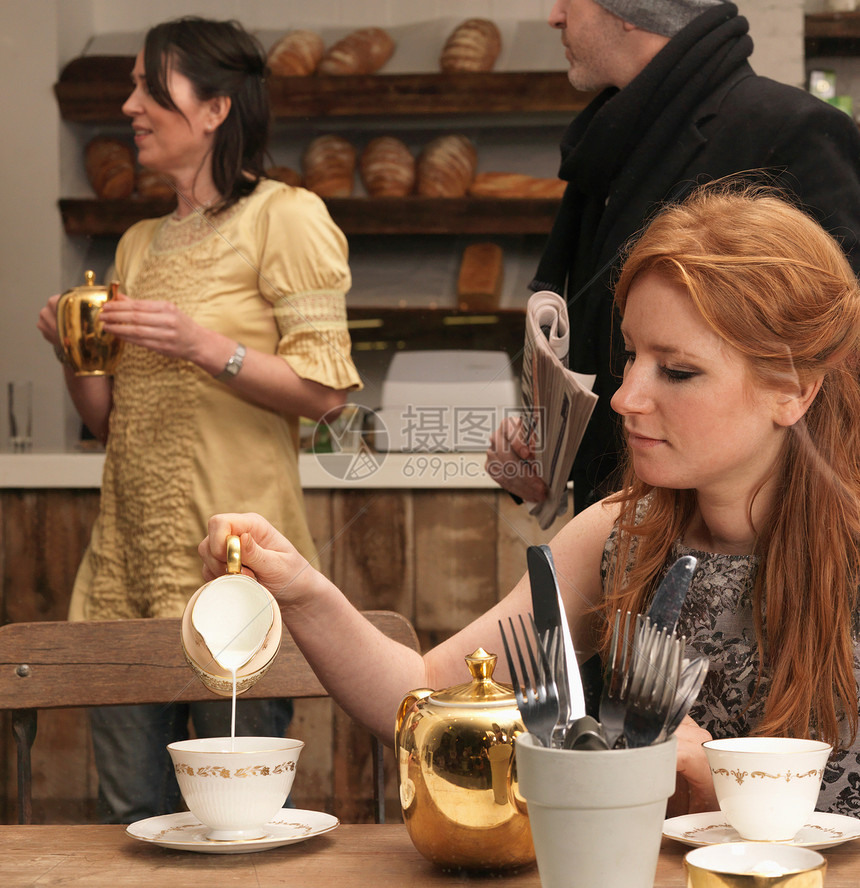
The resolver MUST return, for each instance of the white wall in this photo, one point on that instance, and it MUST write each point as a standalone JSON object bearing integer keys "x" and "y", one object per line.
{"x": 30, "y": 247}
{"x": 38, "y": 151}
{"x": 777, "y": 31}
{"x": 111, "y": 15}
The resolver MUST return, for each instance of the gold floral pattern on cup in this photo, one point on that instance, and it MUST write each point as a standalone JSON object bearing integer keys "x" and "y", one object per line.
{"x": 788, "y": 776}
{"x": 228, "y": 774}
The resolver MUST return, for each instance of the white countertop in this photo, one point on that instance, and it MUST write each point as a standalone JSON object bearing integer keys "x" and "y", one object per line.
{"x": 318, "y": 471}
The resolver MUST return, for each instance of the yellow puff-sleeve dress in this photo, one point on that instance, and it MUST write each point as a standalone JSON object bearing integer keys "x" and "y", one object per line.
{"x": 272, "y": 273}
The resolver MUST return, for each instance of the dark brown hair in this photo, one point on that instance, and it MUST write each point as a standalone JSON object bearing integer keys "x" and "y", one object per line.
{"x": 220, "y": 59}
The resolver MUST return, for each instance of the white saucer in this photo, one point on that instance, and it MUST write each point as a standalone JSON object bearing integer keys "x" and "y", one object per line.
{"x": 185, "y": 832}
{"x": 710, "y": 828}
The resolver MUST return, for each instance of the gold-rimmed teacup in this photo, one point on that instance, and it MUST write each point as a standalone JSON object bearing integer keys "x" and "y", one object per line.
{"x": 767, "y": 787}
{"x": 754, "y": 865}
{"x": 235, "y": 785}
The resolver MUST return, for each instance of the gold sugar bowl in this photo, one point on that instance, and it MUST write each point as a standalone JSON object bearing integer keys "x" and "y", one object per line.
{"x": 457, "y": 772}
{"x": 86, "y": 345}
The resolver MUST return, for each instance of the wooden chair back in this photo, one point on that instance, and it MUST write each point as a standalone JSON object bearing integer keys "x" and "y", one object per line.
{"x": 58, "y": 665}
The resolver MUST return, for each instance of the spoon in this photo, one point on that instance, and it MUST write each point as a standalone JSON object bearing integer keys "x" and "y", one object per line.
{"x": 585, "y": 733}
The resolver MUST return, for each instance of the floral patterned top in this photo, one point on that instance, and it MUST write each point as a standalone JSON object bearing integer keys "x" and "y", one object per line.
{"x": 717, "y": 619}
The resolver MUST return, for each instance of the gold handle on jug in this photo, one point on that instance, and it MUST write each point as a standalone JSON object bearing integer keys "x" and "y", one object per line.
{"x": 234, "y": 555}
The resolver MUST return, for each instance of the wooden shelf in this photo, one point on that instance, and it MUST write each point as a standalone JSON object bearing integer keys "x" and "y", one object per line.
{"x": 355, "y": 216}
{"x": 92, "y": 89}
{"x": 107, "y": 218}
{"x": 435, "y": 215}
{"x": 386, "y": 329}
{"x": 832, "y": 34}
{"x": 425, "y": 94}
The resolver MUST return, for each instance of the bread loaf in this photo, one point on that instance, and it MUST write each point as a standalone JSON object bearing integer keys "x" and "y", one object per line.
{"x": 296, "y": 54}
{"x": 328, "y": 165}
{"x": 515, "y": 185}
{"x": 446, "y": 167}
{"x": 110, "y": 167}
{"x": 547, "y": 188}
{"x": 387, "y": 168}
{"x": 361, "y": 52}
{"x": 474, "y": 45}
{"x": 285, "y": 174}
{"x": 480, "y": 280}
{"x": 153, "y": 185}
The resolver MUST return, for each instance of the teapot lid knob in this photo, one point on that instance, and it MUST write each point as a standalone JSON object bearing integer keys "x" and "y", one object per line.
{"x": 90, "y": 277}
{"x": 481, "y": 664}
{"x": 481, "y": 690}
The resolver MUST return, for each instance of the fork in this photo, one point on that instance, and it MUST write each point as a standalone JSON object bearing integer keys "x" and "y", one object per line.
{"x": 613, "y": 697}
{"x": 654, "y": 685}
{"x": 689, "y": 684}
{"x": 535, "y": 691}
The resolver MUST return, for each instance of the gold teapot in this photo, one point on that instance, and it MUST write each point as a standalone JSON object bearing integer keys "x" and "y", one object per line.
{"x": 231, "y": 629}
{"x": 86, "y": 346}
{"x": 457, "y": 772}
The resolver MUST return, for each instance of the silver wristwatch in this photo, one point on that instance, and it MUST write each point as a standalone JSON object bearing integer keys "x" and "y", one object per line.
{"x": 234, "y": 364}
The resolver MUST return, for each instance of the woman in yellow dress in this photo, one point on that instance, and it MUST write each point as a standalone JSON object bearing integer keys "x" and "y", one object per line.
{"x": 233, "y": 317}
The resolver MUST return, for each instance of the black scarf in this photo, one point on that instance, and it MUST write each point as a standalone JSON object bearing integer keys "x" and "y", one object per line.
{"x": 621, "y": 136}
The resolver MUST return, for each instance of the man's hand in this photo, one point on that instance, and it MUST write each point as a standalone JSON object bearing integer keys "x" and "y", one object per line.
{"x": 510, "y": 462}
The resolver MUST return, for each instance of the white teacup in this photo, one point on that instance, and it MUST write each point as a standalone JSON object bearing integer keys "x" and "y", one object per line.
{"x": 767, "y": 786}
{"x": 235, "y": 786}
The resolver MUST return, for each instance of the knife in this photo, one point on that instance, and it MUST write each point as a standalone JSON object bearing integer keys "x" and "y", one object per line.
{"x": 669, "y": 598}
{"x": 548, "y": 610}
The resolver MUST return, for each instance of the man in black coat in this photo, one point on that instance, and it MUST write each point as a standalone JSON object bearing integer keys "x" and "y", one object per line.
{"x": 679, "y": 106}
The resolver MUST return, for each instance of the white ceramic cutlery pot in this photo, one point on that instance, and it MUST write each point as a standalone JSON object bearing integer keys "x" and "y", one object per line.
{"x": 767, "y": 787}
{"x": 596, "y": 816}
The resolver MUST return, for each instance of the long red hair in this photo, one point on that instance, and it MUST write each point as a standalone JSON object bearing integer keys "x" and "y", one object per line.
{"x": 778, "y": 289}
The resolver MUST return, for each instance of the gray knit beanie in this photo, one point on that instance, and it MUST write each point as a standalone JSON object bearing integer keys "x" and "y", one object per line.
{"x": 665, "y": 17}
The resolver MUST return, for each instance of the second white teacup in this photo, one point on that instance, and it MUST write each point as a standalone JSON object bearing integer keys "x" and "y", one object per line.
{"x": 754, "y": 865}
{"x": 235, "y": 786}
{"x": 767, "y": 787}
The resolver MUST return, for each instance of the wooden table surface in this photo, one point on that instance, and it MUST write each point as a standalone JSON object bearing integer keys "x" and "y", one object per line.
{"x": 352, "y": 856}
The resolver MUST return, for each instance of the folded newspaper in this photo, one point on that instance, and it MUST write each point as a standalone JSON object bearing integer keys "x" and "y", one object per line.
{"x": 557, "y": 403}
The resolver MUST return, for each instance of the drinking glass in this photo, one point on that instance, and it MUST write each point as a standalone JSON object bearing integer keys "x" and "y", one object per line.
{"x": 20, "y": 399}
